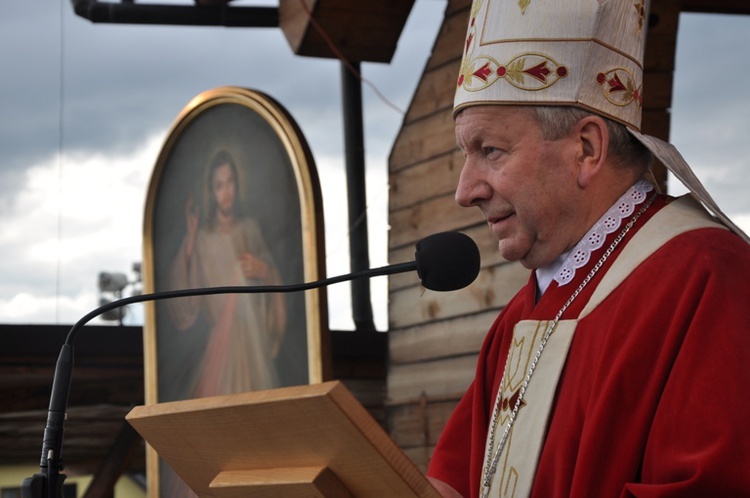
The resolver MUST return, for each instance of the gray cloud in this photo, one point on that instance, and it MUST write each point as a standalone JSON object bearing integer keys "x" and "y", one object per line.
{"x": 123, "y": 85}
{"x": 711, "y": 108}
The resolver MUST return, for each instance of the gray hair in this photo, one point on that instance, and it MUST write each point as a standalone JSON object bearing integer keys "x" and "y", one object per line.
{"x": 556, "y": 121}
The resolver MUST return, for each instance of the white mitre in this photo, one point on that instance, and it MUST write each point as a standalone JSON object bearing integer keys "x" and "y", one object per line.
{"x": 584, "y": 53}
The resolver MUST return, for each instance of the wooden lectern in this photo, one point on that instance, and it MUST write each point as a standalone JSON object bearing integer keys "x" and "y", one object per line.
{"x": 306, "y": 441}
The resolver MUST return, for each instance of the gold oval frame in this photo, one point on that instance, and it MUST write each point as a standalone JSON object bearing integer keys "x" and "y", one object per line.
{"x": 311, "y": 221}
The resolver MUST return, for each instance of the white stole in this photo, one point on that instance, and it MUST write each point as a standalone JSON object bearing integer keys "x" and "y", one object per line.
{"x": 516, "y": 468}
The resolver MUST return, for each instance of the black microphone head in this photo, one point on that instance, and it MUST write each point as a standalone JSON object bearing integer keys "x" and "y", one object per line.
{"x": 447, "y": 261}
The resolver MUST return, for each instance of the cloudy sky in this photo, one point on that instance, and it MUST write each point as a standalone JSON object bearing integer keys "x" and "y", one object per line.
{"x": 84, "y": 110}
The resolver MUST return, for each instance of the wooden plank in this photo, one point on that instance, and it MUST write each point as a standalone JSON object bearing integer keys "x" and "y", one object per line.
{"x": 456, "y": 5}
{"x": 114, "y": 463}
{"x": 419, "y": 425}
{"x": 442, "y": 379}
{"x": 424, "y": 139}
{"x": 408, "y": 425}
{"x": 420, "y": 457}
{"x": 479, "y": 233}
{"x": 366, "y": 31}
{"x": 439, "y": 413}
{"x": 315, "y": 425}
{"x": 437, "y": 86}
{"x": 657, "y": 89}
{"x": 408, "y": 186}
{"x": 370, "y": 393}
{"x": 428, "y": 135}
{"x": 664, "y": 17}
{"x": 486, "y": 243}
{"x": 90, "y": 432}
{"x": 716, "y": 7}
{"x": 656, "y": 123}
{"x": 435, "y": 91}
{"x": 449, "y": 45}
{"x": 660, "y": 53}
{"x": 492, "y": 289}
{"x": 307, "y": 482}
{"x": 435, "y": 340}
{"x": 434, "y": 215}
{"x": 662, "y": 36}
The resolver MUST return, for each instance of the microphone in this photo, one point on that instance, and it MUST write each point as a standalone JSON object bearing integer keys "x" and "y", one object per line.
{"x": 447, "y": 261}
{"x": 444, "y": 261}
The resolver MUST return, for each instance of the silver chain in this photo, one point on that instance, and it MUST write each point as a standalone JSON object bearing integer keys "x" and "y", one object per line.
{"x": 491, "y": 463}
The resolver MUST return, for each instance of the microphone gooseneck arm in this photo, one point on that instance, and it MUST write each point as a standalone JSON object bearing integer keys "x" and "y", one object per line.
{"x": 51, "y": 461}
{"x": 238, "y": 289}
{"x": 444, "y": 261}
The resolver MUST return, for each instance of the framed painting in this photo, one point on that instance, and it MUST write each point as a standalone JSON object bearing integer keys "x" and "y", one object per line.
{"x": 234, "y": 200}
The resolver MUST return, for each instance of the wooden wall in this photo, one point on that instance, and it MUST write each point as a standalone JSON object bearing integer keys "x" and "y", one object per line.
{"x": 434, "y": 337}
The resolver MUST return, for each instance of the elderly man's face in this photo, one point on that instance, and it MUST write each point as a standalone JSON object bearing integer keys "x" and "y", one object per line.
{"x": 524, "y": 185}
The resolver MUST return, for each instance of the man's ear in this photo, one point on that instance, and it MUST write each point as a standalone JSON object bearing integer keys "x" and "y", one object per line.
{"x": 592, "y": 137}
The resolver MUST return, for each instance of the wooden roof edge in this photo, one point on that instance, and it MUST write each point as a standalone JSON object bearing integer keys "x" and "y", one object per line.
{"x": 716, "y": 7}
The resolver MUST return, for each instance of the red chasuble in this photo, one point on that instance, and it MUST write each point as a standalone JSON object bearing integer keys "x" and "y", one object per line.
{"x": 654, "y": 398}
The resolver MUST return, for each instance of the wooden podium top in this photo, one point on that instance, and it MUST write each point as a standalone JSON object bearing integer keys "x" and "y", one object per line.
{"x": 245, "y": 444}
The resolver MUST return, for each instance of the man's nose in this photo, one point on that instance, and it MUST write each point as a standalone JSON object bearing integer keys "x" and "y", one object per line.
{"x": 472, "y": 187}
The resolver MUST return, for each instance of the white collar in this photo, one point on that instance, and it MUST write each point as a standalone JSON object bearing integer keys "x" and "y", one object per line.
{"x": 546, "y": 274}
{"x": 563, "y": 269}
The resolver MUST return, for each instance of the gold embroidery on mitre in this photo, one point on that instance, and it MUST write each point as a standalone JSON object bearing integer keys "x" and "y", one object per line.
{"x": 530, "y": 71}
{"x": 619, "y": 87}
{"x": 475, "y": 5}
{"x": 523, "y": 4}
{"x": 477, "y": 74}
{"x": 640, "y": 8}
{"x": 469, "y": 43}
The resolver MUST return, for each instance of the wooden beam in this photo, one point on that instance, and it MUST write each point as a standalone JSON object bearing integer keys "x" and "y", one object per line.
{"x": 115, "y": 463}
{"x": 716, "y": 6}
{"x": 359, "y": 31}
{"x": 658, "y": 65}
